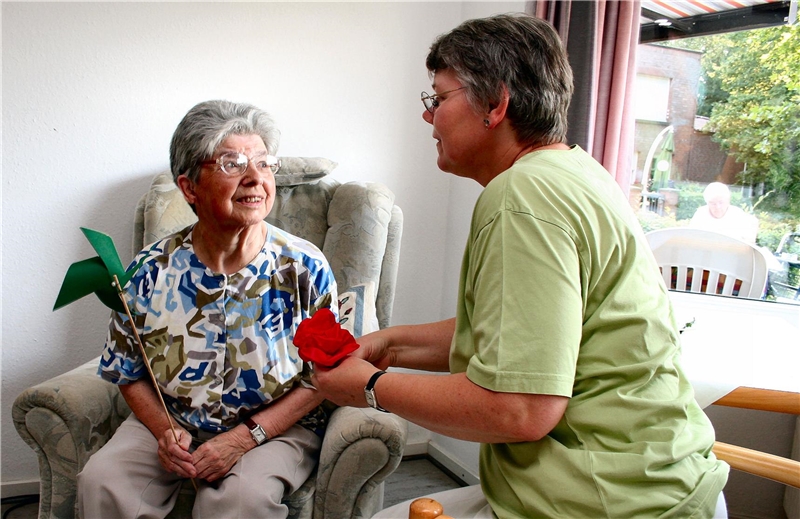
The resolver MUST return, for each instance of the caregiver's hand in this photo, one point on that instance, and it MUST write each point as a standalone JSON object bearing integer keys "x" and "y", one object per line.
{"x": 344, "y": 384}
{"x": 374, "y": 348}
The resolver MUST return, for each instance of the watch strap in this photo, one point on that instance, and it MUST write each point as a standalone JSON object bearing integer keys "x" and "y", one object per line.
{"x": 373, "y": 379}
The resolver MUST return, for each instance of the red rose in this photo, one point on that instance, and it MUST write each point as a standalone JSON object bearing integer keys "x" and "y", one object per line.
{"x": 321, "y": 339}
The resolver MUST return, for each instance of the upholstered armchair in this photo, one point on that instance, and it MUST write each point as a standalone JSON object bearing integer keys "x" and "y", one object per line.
{"x": 358, "y": 228}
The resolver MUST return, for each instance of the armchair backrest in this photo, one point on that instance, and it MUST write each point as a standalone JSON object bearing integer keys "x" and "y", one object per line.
{"x": 356, "y": 225}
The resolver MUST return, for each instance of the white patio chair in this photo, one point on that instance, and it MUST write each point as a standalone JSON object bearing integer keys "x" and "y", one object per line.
{"x": 694, "y": 260}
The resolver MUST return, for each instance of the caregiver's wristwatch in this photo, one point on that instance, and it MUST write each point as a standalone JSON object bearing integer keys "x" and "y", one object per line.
{"x": 369, "y": 392}
{"x": 256, "y": 431}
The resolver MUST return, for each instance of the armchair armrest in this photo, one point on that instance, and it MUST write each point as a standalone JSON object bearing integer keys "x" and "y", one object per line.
{"x": 65, "y": 420}
{"x": 362, "y": 447}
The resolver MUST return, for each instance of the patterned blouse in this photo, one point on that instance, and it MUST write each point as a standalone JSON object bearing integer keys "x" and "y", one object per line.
{"x": 219, "y": 345}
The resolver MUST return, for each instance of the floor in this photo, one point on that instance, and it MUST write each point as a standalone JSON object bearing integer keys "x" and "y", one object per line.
{"x": 414, "y": 477}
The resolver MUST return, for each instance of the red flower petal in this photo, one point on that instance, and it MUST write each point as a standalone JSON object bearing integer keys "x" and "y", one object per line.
{"x": 322, "y": 340}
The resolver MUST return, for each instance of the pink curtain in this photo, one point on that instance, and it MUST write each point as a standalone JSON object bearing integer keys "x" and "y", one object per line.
{"x": 601, "y": 37}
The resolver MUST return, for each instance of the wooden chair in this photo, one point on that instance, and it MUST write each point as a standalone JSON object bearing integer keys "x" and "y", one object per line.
{"x": 776, "y": 468}
{"x": 694, "y": 260}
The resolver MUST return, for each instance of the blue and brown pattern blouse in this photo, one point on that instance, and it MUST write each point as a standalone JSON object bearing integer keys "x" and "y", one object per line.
{"x": 220, "y": 345}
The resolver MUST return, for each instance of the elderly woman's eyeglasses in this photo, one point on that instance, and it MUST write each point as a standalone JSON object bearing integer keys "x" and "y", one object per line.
{"x": 234, "y": 164}
{"x": 431, "y": 101}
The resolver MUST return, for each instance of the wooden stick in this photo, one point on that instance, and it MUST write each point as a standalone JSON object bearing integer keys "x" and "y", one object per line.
{"x": 147, "y": 363}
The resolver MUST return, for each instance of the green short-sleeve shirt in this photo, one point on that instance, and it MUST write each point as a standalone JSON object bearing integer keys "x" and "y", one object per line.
{"x": 559, "y": 294}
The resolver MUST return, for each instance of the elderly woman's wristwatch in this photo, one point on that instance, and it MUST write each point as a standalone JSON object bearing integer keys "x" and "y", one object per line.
{"x": 369, "y": 392}
{"x": 256, "y": 431}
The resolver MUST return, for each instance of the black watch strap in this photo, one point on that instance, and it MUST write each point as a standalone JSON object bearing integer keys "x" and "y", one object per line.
{"x": 373, "y": 379}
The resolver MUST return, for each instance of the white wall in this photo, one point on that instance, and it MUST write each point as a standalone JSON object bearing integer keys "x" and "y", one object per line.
{"x": 93, "y": 91}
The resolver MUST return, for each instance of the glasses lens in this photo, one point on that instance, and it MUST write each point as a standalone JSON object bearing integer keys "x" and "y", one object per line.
{"x": 266, "y": 163}
{"x": 274, "y": 163}
{"x": 262, "y": 162}
{"x": 233, "y": 163}
{"x": 427, "y": 101}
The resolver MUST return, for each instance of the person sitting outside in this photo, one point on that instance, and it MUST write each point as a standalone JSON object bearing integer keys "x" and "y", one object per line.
{"x": 720, "y": 216}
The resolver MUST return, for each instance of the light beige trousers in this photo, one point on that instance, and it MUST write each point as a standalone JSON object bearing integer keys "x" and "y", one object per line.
{"x": 125, "y": 480}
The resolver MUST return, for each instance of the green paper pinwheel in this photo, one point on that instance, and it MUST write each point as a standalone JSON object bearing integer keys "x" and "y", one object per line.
{"x": 96, "y": 274}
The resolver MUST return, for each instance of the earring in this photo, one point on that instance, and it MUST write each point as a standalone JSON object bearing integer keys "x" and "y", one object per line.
{"x": 486, "y": 123}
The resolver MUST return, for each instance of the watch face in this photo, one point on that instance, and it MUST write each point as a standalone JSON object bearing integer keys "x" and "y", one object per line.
{"x": 370, "y": 396}
{"x": 259, "y": 436}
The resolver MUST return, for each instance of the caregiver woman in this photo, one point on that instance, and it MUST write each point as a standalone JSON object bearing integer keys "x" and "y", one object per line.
{"x": 563, "y": 355}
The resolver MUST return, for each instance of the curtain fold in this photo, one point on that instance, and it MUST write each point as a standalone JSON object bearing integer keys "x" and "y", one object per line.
{"x": 601, "y": 38}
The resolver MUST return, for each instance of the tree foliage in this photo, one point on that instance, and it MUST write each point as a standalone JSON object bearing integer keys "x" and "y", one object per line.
{"x": 751, "y": 91}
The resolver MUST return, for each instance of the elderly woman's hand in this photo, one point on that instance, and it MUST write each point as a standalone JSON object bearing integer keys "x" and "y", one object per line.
{"x": 214, "y": 458}
{"x": 174, "y": 456}
{"x": 345, "y": 383}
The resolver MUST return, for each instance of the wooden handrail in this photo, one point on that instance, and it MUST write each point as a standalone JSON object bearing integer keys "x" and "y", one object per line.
{"x": 768, "y": 466}
{"x": 762, "y": 399}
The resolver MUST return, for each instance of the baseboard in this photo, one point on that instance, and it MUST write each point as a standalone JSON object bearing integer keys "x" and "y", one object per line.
{"x": 458, "y": 470}
{"x": 416, "y": 449}
{"x": 19, "y": 488}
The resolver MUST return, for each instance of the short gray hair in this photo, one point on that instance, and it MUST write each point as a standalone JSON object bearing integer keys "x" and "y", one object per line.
{"x": 207, "y": 124}
{"x": 517, "y": 51}
{"x": 716, "y": 190}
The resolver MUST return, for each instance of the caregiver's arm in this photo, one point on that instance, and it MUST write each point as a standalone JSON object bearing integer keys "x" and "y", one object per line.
{"x": 420, "y": 346}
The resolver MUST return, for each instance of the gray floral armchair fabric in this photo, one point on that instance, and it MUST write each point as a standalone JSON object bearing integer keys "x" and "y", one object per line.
{"x": 358, "y": 228}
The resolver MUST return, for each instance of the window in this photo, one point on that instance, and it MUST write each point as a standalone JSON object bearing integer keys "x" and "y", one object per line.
{"x": 652, "y": 98}
{"x": 722, "y": 131}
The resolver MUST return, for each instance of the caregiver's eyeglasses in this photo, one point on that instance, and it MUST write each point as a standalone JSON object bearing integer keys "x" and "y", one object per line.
{"x": 431, "y": 101}
{"x": 234, "y": 164}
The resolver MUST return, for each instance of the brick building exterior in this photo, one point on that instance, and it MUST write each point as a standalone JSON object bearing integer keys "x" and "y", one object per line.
{"x": 696, "y": 157}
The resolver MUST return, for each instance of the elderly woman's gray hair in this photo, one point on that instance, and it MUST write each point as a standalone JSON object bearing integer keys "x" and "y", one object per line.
{"x": 209, "y": 123}
{"x": 517, "y": 51}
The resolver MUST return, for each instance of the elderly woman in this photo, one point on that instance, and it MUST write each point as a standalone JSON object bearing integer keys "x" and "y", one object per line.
{"x": 563, "y": 356}
{"x": 718, "y": 215}
{"x": 217, "y": 305}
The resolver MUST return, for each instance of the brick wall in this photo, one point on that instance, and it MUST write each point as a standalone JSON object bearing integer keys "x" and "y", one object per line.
{"x": 696, "y": 156}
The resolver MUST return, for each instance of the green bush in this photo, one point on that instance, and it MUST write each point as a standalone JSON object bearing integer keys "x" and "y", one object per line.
{"x": 689, "y": 199}
{"x": 773, "y": 226}
{"x": 651, "y": 221}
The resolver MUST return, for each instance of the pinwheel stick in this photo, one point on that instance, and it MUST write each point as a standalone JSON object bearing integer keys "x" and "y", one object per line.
{"x": 118, "y": 286}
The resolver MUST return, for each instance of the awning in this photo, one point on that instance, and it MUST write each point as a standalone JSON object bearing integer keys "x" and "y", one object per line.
{"x": 671, "y": 19}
